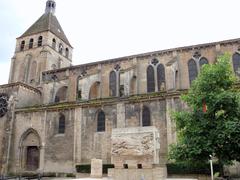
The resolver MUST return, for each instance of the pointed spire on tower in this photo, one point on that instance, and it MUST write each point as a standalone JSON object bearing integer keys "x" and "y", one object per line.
{"x": 50, "y": 7}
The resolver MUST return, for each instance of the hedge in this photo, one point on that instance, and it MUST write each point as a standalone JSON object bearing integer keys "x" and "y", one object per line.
{"x": 86, "y": 168}
{"x": 187, "y": 168}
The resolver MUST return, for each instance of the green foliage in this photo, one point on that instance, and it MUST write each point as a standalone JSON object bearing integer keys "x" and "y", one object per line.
{"x": 106, "y": 167}
{"x": 70, "y": 175}
{"x": 190, "y": 168}
{"x": 217, "y": 131}
{"x": 86, "y": 168}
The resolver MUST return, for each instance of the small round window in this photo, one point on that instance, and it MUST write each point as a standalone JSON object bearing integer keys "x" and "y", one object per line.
{"x": 3, "y": 104}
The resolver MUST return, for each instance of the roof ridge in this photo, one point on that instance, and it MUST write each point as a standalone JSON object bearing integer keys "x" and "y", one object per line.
{"x": 47, "y": 22}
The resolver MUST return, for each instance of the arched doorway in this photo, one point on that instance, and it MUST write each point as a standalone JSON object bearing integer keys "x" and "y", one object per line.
{"x": 30, "y": 150}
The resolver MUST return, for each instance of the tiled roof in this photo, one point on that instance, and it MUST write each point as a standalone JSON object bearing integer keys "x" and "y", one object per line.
{"x": 47, "y": 22}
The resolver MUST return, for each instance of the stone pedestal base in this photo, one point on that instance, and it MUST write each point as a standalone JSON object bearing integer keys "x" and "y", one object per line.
{"x": 96, "y": 168}
{"x": 158, "y": 173}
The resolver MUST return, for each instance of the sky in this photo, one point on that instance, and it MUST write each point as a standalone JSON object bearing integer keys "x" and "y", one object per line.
{"x": 104, "y": 29}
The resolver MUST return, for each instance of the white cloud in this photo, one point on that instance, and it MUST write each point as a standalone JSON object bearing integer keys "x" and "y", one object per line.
{"x": 106, "y": 29}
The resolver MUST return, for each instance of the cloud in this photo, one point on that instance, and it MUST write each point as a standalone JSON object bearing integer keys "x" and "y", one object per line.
{"x": 5, "y": 68}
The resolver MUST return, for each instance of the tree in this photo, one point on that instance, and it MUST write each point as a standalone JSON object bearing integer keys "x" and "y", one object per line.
{"x": 215, "y": 131}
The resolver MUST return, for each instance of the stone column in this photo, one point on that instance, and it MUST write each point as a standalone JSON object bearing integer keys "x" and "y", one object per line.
{"x": 96, "y": 168}
{"x": 77, "y": 135}
{"x": 169, "y": 108}
{"x": 42, "y": 148}
{"x": 121, "y": 120}
{"x": 12, "y": 71}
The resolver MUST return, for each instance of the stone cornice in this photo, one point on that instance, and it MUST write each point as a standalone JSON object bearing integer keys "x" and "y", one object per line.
{"x": 103, "y": 102}
{"x": 20, "y": 84}
{"x": 148, "y": 54}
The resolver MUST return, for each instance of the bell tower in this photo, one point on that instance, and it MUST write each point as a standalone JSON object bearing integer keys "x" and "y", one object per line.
{"x": 50, "y": 7}
{"x": 42, "y": 47}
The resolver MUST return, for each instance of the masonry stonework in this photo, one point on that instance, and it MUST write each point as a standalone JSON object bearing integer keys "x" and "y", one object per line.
{"x": 60, "y": 115}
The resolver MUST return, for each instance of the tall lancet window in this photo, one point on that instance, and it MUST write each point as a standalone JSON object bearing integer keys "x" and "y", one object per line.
{"x": 113, "y": 83}
{"x": 203, "y": 61}
{"x": 236, "y": 63}
{"x": 192, "y": 70}
{"x": 161, "y": 77}
{"x": 146, "y": 119}
{"x": 101, "y": 121}
{"x": 61, "y": 124}
{"x": 150, "y": 79}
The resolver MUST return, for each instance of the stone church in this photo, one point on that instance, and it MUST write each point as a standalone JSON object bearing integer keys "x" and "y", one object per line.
{"x": 54, "y": 116}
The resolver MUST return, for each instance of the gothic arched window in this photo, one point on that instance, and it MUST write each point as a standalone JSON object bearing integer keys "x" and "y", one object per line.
{"x": 150, "y": 79}
{"x": 61, "y": 124}
{"x": 203, "y": 61}
{"x": 60, "y": 48}
{"x": 22, "y": 45}
{"x": 30, "y": 46}
{"x": 61, "y": 94}
{"x": 40, "y": 39}
{"x": 146, "y": 120}
{"x": 54, "y": 43}
{"x": 161, "y": 77}
{"x": 236, "y": 63}
{"x": 78, "y": 89}
{"x": 33, "y": 71}
{"x": 192, "y": 70}
{"x": 113, "y": 83}
{"x": 67, "y": 52}
{"x": 101, "y": 121}
{"x": 3, "y": 104}
{"x": 94, "y": 92}
{"x": 133, "y": 85}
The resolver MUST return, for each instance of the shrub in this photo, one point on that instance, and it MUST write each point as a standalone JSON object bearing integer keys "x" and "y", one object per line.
{"x": 191, "y": 168}
{"x": 86, "y": 168}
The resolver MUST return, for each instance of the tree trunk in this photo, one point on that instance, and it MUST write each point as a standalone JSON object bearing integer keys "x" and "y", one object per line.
{"x": 221, "y": 170}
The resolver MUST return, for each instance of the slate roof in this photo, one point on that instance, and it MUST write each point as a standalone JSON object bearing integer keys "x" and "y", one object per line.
{"x": 47, "y": 22}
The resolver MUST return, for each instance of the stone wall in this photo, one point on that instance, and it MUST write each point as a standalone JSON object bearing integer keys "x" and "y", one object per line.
{"x": 56, "y": 150}
{"x": 59, "y": 147}
{"x": 27, "y": 65}
{"x": 132, "y": 72}
{"x": 96, "y": 144}
{"x": 81, "y": 142}
{"x": 3, "y": 142}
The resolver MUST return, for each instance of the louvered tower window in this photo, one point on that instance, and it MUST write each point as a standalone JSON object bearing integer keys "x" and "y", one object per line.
{"x": 40, "y": 39}
{"x": 54, "y": 43}
{"x": 67, "y": 52}
{"x": 60, "y": 48}
{"x": 30, "y": 44}
{"x": 22, "y": 46}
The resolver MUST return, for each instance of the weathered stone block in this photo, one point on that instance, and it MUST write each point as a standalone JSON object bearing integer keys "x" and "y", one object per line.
{"x": 135, "y": 146}
{"x": 96, "y": 168}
